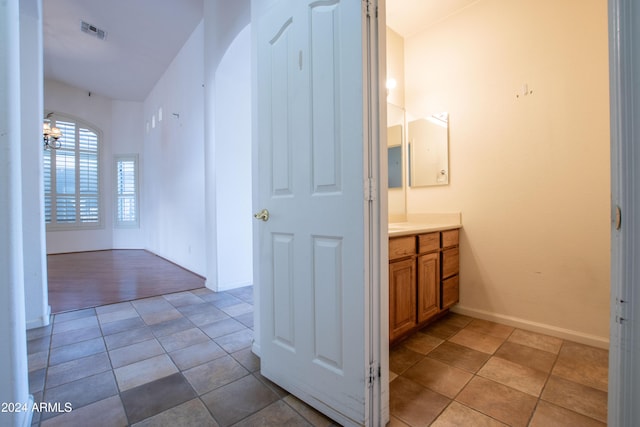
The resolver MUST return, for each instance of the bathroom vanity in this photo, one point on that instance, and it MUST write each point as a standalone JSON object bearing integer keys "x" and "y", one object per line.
{"x": 423, "y": 274}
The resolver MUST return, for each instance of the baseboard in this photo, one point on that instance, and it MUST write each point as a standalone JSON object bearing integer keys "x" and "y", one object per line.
{"x": 41, "y": 321}
{"x": 217, "y": 287}
{"x": 568, "y": 334}
{"x": 255, "y": 348}
{"x": 28, "y": 415}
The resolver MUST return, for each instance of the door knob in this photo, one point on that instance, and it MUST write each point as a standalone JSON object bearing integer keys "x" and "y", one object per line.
{"x": 263, "y": 215}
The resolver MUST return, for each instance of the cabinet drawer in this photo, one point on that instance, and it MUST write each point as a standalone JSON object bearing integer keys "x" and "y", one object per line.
{"x": 429, "y": 242}
{"x": 450, "y": 238}
{"x": 450, "y": 291}
{"x": 450, "y": 262}
{"x": 400, "y": 247}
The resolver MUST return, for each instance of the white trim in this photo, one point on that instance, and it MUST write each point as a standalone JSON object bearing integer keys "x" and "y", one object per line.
{"x": 542, "y": 328}
{"x": 27, "y": 419}
{"x": 624, "y": 352}
{"x": 226, "y": 286}
{"x": 40, "y": 321}
{"x": 378, "y": 218}
{"x": 255, "y": 346}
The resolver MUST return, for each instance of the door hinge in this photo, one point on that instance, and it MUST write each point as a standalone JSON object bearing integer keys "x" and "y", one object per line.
{"x": 370, "y": 190}
{"x": 621, "y": 308}
{"x": 367, "y": 6}
{"x": 374, "y": 373}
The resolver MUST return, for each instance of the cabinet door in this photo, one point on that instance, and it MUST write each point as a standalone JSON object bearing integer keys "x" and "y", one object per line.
{"x": 450, "y": 262}
{"x": 450, "y": 291}
{"x": 402, "y": 297}
{"x": 428, "y": 286}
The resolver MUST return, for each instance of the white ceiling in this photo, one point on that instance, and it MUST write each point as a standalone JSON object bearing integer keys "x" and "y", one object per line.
{"x": 143, "y": 37}
{"x": 409, "y": 17}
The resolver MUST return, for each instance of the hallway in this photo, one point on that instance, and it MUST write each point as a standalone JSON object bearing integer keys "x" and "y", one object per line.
{"x": 184, "y": 359}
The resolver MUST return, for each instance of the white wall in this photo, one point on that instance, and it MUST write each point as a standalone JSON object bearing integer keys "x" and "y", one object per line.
{"x": 234, "y": 219}
{"x": 530, "y": 174}
{"x": 173, "y": 172}
{"x": 121, "y": 124}
{"x": 172, "y": 156}
{"x": 227, "y": 124}
{"x": 97, "y": 111}
{"x": 128, "y": 122}
{"x": 395, "y": 67}
{"x": 395, "y": 115}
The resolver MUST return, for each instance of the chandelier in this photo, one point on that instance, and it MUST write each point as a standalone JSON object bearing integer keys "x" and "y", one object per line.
{"x": 50, "y": 134}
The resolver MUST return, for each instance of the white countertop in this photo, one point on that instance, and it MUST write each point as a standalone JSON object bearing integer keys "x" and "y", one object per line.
{"x": 425, "y": 223}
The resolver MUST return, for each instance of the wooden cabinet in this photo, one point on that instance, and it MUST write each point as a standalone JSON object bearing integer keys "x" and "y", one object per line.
{"x": 428, "y": 286}
{"x": 402, "y": 297}
{"x": 450, "y": 287}
{"x": 423, "y": 279}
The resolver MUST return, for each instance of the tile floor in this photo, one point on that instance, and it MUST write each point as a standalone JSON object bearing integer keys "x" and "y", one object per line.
{"x": 181, "y": 359}
{"x": 184, "y": 359}
{"x": 462, "y": 371}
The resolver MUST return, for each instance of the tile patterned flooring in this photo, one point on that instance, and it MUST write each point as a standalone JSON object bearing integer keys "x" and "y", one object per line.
{"x": 462, "y": 371}
{"x": 184, "y": 359}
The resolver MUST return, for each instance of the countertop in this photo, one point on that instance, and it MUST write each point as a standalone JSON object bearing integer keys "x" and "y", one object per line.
{"x": 425, "y": 223}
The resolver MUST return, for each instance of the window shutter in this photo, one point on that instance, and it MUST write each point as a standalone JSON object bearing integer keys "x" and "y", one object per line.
{"x": 47, "y": 186}
{"x": 72, "y": 178}
{"x": 88, "y": 165}
{"x": 126, "y": 191}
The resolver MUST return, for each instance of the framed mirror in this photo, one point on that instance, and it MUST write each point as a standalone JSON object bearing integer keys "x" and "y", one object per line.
{"x": 397, "y": 161}
{"x": 428, "y": 151}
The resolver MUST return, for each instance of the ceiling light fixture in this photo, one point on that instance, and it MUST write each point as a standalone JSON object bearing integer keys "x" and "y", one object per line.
{"x": 50, "y": 134}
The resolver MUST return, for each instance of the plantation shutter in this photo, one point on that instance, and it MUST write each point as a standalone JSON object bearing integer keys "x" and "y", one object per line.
{"x": 71, "y": 177}
{"x": 126, "y": 191}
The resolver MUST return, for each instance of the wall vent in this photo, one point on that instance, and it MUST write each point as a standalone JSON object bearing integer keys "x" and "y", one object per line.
{"x": 93, "y": 30}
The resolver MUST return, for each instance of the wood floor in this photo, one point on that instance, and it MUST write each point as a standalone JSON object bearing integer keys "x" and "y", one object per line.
{"x": 90, "y": 279}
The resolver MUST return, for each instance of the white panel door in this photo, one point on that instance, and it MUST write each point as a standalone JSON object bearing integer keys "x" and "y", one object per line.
{"x": 313, "y": 250}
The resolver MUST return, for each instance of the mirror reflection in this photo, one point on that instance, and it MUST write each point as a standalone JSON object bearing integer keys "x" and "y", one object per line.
{"x": 428, "y": 151}
{"x": 394, "y": 138}
{"x": 397, "y": 149}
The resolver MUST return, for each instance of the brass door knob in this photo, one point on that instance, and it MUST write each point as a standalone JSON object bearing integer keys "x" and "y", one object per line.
{"x": 263, "y": 215}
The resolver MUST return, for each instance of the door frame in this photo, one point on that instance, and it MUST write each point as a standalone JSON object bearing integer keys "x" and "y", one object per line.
{"x": 624, "y": 343}
{"x": 376, "y": 41}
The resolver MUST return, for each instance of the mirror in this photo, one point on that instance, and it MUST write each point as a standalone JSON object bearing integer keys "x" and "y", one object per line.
{"x": 428, "y": 151}
{"x": 394, "y": 139}
{"x": 396, "y": 149}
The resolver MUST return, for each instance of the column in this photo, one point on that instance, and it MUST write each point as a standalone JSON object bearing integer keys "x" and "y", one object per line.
{"x": 14, "y": 384}
{"x": 34, "y": 238}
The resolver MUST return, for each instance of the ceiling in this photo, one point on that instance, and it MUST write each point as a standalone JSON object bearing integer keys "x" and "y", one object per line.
{"x": 142, "y": 38}
{"x": 409, "y": 17}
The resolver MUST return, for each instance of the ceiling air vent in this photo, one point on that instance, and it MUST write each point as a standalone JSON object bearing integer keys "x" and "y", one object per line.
{"x": 93, "y": 30}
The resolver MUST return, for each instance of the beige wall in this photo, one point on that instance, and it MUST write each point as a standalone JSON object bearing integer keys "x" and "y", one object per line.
{"x": 395, "y": 67}
{"x": 395, "y": 113}
{"x": 530, "y": 174}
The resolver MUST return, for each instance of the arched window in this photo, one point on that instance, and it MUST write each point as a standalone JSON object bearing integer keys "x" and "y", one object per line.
{"x": 72, "y": 177}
